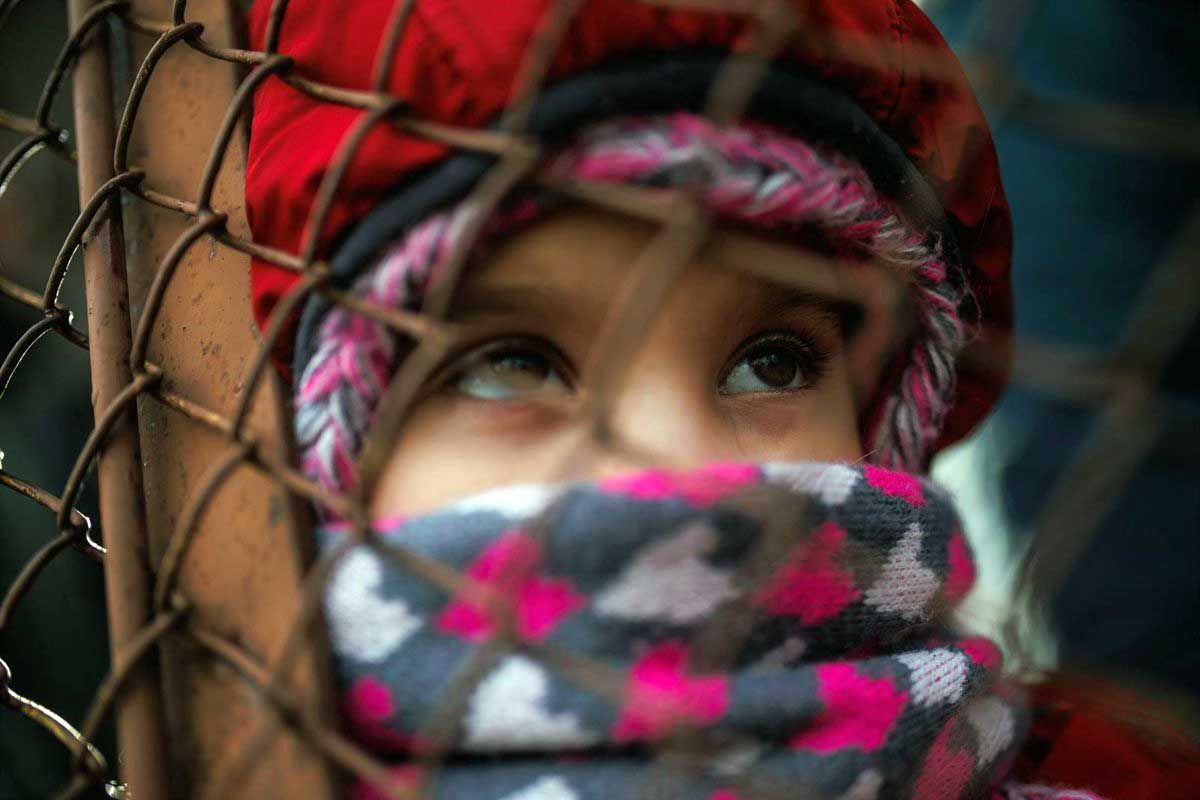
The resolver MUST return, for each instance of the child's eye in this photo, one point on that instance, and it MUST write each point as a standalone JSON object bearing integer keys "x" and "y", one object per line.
{"x": 773, "y": 363}
{"x": 509, "y": 370}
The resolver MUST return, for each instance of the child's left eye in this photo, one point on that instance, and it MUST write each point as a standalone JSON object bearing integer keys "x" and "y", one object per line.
{"x": 512, "y": 370}
{"x": 778, "y": 363}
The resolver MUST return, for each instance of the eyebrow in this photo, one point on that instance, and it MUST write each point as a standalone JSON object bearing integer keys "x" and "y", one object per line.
{"x": 790, "y": 293}
{"x": 473, "y": 302}
{"x": 847, "y": 313}
{"x": 556, "y": 304}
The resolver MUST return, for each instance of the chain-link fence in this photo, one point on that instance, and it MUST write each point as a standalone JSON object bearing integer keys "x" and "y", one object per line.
{"x": 184, "y": 532}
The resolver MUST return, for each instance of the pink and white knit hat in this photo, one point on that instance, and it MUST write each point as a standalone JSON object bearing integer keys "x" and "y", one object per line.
{"x": 752, "y": 174}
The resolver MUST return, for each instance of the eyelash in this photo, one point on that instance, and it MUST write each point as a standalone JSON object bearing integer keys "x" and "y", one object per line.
{"x": 801, "y": 345}
{"x": 456, "y": 365}
{"x": 812, "y": 358}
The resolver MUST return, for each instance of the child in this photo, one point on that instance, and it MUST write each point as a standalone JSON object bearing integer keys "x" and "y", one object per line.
{"x": 740, "y": 588}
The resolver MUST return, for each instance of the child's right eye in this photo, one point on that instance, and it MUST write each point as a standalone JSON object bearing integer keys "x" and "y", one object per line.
{"x": 512, "y": 370}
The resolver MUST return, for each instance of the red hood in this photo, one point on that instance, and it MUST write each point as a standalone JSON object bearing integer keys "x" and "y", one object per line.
{"x": 455, "y": 64}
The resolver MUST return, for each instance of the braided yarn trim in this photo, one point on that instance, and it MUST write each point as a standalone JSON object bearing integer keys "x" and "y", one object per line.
{"x": 749, "y": 173}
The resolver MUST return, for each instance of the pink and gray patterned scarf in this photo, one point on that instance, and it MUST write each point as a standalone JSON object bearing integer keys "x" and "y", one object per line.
{"x": 739, "y": 630}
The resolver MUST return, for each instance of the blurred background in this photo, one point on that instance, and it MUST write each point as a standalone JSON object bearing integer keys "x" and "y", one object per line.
{"x": 1096, "y": 109}
{"x": 56, "y": 644}
{"x": 1098, "y": 130}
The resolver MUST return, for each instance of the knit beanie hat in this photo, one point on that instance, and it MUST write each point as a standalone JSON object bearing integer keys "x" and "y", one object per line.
{"x": 864, "y": 129}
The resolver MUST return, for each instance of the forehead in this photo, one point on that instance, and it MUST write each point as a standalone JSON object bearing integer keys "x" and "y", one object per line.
{"x": 585, "y": 256}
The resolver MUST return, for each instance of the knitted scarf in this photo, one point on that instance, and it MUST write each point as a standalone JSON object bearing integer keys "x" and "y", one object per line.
{"x": 739, "y": 630}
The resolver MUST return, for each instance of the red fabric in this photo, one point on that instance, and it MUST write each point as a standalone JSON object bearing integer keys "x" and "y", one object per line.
{"x": 456, "y": 64}
{"x": 1094, "y": 735}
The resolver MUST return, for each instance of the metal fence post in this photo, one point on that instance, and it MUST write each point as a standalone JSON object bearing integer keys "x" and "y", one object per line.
{"x": 139, "y": 711}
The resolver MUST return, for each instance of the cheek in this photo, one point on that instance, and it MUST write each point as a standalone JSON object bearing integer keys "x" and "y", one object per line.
{"x": 798, "y": 432}
{"x": 818, "y": 424}
{"x": 451, "y": 450}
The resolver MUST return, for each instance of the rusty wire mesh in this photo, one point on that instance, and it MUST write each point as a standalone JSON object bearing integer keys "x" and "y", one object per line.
{"x": 149, "y": 608}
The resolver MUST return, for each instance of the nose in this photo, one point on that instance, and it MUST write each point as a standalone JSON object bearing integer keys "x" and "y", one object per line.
{"x": 659, "y": 415}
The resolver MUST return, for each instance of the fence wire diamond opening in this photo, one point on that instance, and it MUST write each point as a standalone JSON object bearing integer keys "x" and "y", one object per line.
{"x": 219, "y": 674}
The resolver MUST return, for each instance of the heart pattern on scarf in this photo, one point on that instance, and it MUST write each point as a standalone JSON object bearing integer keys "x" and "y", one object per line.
{"x": 837, "y": 679}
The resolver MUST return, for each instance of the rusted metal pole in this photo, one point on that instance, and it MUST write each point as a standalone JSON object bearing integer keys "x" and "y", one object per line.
{"x": 139, "y": 712}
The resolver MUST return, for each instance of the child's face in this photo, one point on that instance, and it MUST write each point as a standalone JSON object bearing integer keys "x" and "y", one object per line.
{"x": 733, "y": 367}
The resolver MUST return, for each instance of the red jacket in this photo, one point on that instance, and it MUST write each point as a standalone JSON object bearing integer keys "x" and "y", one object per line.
{"x": 1096, "y": 735}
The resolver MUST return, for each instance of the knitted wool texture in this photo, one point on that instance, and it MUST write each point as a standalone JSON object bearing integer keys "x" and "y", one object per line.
{"x": 750, "y": 174}
{"x": 832, "y": 675}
